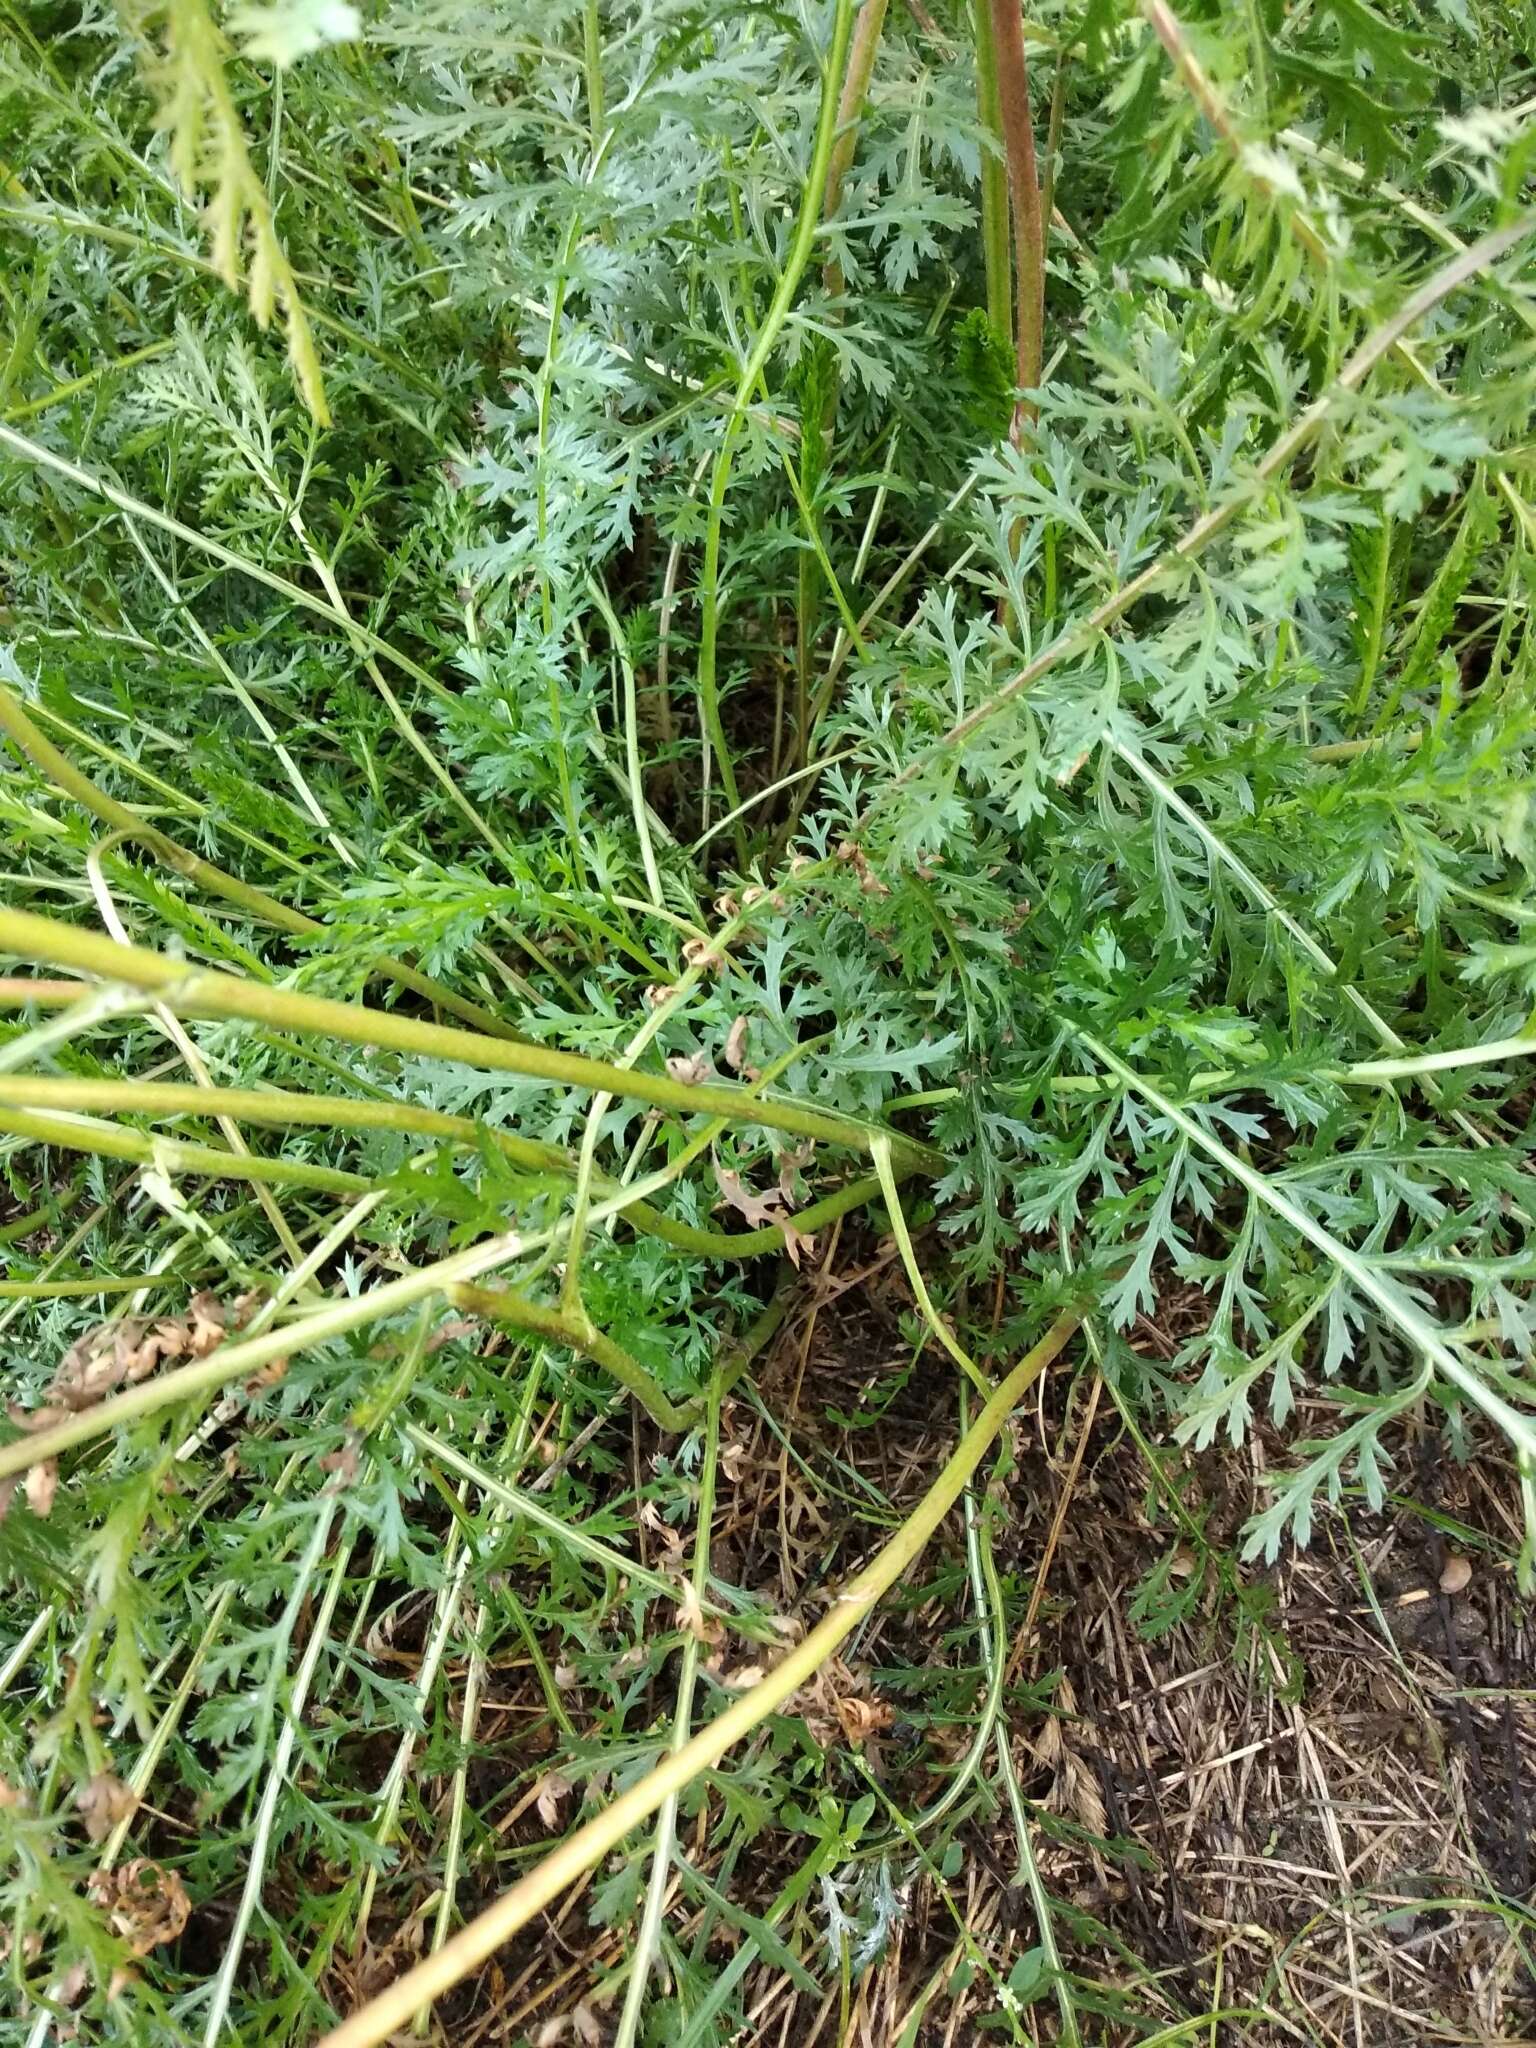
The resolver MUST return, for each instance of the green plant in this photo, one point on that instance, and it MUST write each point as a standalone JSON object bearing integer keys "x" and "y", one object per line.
{"x": 618, "y": 747}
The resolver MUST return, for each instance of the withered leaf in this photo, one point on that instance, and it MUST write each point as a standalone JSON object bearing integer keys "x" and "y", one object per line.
{"x": 206, "y": 1332}
{"x": 757, "y": 1210}
{"x": 553, "y": 1789}
{"x": 586, "y": 2026}
{"x": 763, "y": 1210}
{"x": 736, "y": 1045}
{"x": 743, "y": 1678}
{"x": 691, "y": 1616}
{"x": 146, "y": 1904}
{"x": 692, "y": 1068}
{"x": 42, "y": 1485}
{"x": 103, "y": 1801}
{"x": 862, "y": 1718}
{"x": 72, "y": 1986}
{"x": 342, "y": 1465}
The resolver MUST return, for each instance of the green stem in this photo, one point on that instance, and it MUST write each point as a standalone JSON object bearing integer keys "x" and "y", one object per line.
{"x": 566, "y": 1534}
{"x": 592, "y": 59}
{"x": 649, "y": 1936}
{"x": 576, "y": 1330}
{"x": 1173, "y": 561}
{"x": 175, "y": 1155}
{"x": 205, "y": 992}
{"x": 850, "y": 105}
{"x": 279, "y": 1108}
{"x": 768, "y": 334}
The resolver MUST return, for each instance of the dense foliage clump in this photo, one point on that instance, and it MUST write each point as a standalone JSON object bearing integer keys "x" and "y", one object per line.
{"x": 564, "y": 667}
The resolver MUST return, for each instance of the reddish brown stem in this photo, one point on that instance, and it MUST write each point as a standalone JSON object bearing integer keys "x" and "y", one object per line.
{"x": 1024, "y": 197}
{"x": 850, "y": 105}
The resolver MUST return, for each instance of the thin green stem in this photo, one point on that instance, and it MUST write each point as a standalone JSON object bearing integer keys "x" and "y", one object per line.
{"x": 882, "y": 1157}
{"x": 280, "y": 1108}
{"x": 560, "y": 1529}
{"x": 1399, "y": 1308}
{"x": 1012, "y": 79}
{"x": 768, "y": 334}
{"x": 1173, "y": 562}
{"x": 639, "y": 808}
{"x": 175, "y": 1156}
{"x": 575, "y": 1329}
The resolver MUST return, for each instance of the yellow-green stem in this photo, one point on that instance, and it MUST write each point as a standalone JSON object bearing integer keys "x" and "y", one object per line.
{"x": 473, "y": 1944}
{"x": 279, "y": 1107}
{"x": 205, "y": 992}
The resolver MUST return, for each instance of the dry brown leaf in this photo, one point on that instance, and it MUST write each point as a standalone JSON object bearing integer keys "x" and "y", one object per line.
{"x": 692, "y": 1068}
{"x": 851, "y": 852}
{"x": 743, "y": 1678}
{"x": 246, "y": 1305}
{"x": 586, "y": 2026}
{"x": 206, "y": 1332}
{"x": 701, "y": 954}
{"x": 552, "y": 2032}
{"x": 266, "y": 1376}
{"x": 762, "y": 1211}
{"x": 451, "y": 1331}
{"x": 42, "y": 1485}
{"x": 756, "y": 1210}
{"x": 662, "y": 1530}
{"x": 796, "y": 1242}
{"x": 103, "y": 1801}
{"x": 8, "y": 1489}
{"x": 691, "y": 1616}
{"x": 862, "y": 1718}
{"x": 736, "y": 1045}
{"x": 11, "y": 1798}
{"x": 553, "y": 1789}
{"x": 1457, "y": 1575}
{"x": 146, "y": 1904}
{"x": 733, "y": 1460}
{"x": 72, "y": 1986}
{"x": 342, "y": 1463}
{"x": 791, "y": 1159}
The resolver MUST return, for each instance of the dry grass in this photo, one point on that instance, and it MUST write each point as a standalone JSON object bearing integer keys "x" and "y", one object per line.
{"x": 1298, "y": 1812}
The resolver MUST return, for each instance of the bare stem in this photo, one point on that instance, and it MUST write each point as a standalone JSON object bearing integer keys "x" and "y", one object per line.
{"x": 994, "y": 177}
{"x": 205, "y": 992}
{"x": 1024, "y": 192}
